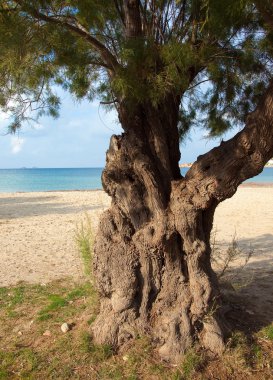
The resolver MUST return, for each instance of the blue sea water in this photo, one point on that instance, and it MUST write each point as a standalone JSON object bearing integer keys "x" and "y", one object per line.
{"x": 265, "y": 177}
{"x": 13, "y": 180}
{"x": 16, "y": 180}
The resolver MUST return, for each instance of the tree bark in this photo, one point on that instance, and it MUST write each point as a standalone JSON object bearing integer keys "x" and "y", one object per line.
{"x": 152, "y": 251}
{"x": 219, "y": 172}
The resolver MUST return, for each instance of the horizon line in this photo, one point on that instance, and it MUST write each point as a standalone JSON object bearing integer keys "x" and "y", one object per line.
{"x": 37, "y": 167}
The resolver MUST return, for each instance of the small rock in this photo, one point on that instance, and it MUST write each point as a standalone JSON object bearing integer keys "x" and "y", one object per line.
{"x": 47, "y": 333}
{"x": 20, "y": 333}
{"x": 65, "y": 327}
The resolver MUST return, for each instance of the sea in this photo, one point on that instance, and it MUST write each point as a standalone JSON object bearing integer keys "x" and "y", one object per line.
{"x": 31, "y": 180}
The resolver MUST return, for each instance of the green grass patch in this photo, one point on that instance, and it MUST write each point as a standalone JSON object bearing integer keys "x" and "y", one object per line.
{"x": 26, "y": 353}
{"x": 64, "y": 300}
{"x": 192, "y": 362}
{"x": 11, "y": 299}
{"x": 99, "y": 353}
{"x": 56, "y": 302}
{"x": 91, "y": 320}
{"x": 267, "y": 332}
{"x": 20, "y": 364}
{"x": 257, "y": 355}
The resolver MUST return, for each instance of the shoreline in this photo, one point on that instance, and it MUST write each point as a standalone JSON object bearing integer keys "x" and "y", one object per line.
{"x": 50, "y": 191}
{"x": 246, "y": 184}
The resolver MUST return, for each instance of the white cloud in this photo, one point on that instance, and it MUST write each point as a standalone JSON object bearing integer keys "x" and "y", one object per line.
{"x": 16, "y": 144}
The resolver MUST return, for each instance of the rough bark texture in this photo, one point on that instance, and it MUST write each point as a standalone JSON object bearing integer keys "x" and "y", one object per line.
{"x": 152, "y": 252}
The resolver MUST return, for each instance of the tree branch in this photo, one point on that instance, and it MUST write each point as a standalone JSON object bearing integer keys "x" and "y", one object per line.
{"x": 217, "y": 174}
{"x": 133, "y": 25}
{"x": 78, "y": 29}
{"x": 110, "y": 102}
{"x": 120, "y": 11}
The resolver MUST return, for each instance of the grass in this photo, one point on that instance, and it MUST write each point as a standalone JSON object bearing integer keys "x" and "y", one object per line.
{"x": 26, "y": 353}
{"x": 267, "y": 332}
{"x": 85, "y": 241}
{"x": 223, "y": 259}
{"x": 55, "y": 302}
{"x": 99, "y": 353}
{"x": 28, "y": 311}
{"x": 191, "y": 363}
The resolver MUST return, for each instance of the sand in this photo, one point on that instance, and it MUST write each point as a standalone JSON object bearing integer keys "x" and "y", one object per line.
{"x": 37, "y": 230}
{"x": 248, "y": 215}
{"x": 37, "y": 236}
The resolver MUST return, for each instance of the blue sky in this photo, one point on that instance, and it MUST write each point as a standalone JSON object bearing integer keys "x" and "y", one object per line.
{"x": 78, "y": 138}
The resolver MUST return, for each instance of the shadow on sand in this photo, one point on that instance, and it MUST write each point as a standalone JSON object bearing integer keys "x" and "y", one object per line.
{"x": 20, "y": 207}
{"x": 252, "y": 301}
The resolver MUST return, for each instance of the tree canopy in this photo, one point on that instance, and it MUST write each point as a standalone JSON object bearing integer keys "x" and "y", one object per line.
{"x": 216, "y": 55}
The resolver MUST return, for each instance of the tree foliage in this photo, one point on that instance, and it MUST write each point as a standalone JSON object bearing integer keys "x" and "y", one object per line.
{"x": 215, "y": 55}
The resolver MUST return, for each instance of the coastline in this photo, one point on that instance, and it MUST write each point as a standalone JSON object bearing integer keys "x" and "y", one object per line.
{"x": 245, "y": 184}
{"x": 51, "y": 191}
{"x": 77, "y": 179}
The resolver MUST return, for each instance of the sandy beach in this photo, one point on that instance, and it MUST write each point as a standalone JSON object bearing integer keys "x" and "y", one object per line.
{"x": 248, "y": 216}
{"x": 37, "y": 236}
{"x": 37, "y": 233}
{"x": 37, "y": 230}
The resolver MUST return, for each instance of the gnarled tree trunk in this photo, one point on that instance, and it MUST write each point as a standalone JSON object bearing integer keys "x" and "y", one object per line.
{"x": 152, "y": 252}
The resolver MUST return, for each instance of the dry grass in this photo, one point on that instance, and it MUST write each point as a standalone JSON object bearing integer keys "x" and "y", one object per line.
{"x": 85, "y": 241}
{"x": 27, "y": 312}
{"x": 32, "y": 345}
{"x": 229, "y": 263}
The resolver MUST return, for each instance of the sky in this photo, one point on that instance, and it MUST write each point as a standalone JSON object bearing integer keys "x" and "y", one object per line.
{"x": 78, "y": 138}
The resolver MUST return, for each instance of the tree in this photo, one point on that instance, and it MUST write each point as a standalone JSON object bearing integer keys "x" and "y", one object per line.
{"x": 164, "y": 65}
